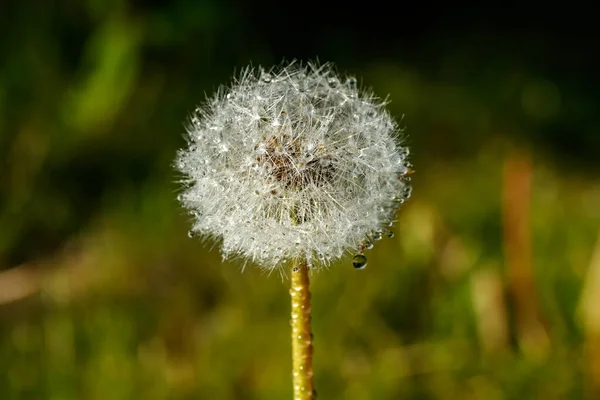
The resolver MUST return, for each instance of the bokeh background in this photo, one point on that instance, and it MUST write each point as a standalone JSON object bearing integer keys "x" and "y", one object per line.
{"x": 490, "y": 288}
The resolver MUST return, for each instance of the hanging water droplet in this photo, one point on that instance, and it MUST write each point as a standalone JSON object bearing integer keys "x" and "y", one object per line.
{"x": 191, "y": 234}
{"x": 359, "y": 261}
{"x": 377, "y": 235}
{"x": 180, "y": 197}
{"x": 367, "y": 244}
{"x": 295, "y": 269}
{"x": 390, "y": 234}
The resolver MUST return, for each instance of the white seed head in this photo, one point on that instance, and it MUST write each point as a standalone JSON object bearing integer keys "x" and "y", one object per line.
{"x": 292, "y": 162}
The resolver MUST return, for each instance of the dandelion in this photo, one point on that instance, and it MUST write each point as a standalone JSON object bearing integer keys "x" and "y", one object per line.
{"x": 294, "y": 165}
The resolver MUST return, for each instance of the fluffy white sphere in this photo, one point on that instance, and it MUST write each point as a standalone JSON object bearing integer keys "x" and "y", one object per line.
{"x": 293, "y": 162}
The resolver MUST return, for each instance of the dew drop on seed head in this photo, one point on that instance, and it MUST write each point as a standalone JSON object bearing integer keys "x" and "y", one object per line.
{"x": 367, "y": 244}
{"x": 295, "y": 269}
{"x": 266, "y": 77}
{"x": 359, "y": 261}
{"x": 390, "y": 234}
{"x": 406, "y": 192}
{"x": 191, "y": 234}
{"x": 351, "y": 83}
{"x": 377, "y": 235}
{"x": 333, "y": 82}
{"x": 180, "y": 197}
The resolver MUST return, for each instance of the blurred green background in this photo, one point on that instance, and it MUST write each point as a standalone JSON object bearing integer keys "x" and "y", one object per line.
{"x": 490, "y": 288}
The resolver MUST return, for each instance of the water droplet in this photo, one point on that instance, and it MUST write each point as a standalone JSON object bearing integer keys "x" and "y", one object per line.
{"x": 301, "y": 86}
{"x": 377, "y": 235}
{"x": 359, "y": 261}
{"x": 191, "y": 234}
{"x": 295, "y": 269}
{"x": 228, "y": 96}
{"x": 180, "y": 197}
{"x": 333, "y": 82}
{"x": 367, "y": 244}
{"x": 266, "y": 77}
{"x": 390, "y": 234}
{"x": 406, "y": 192}
{"x": 351, "y": 83}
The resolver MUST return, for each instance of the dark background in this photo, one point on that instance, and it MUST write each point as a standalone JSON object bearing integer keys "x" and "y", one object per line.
{"x": 488, "y": 290}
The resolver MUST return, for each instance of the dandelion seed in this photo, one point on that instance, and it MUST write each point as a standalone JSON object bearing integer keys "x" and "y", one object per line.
{"x": 292, "y": 164}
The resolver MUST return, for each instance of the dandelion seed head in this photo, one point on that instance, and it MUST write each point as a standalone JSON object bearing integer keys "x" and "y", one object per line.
{"x": 292, "y": 162}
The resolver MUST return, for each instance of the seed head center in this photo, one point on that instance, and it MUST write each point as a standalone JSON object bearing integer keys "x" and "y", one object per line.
{"x": 292, "y": 166}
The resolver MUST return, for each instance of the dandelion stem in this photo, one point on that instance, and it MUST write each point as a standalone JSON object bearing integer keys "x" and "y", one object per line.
{"x": 302, "y": 371}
